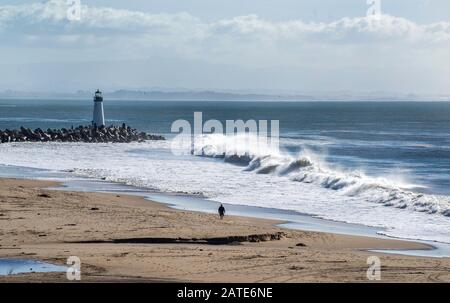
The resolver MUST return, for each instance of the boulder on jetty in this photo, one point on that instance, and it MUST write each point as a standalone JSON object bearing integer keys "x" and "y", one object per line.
{"x": 88, "y": 134}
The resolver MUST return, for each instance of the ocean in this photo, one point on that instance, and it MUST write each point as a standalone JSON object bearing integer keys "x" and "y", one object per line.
{"x": 380, "y": 164}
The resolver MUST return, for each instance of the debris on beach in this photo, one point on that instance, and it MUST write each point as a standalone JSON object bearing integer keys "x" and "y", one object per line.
{"x": 44, "y": 195}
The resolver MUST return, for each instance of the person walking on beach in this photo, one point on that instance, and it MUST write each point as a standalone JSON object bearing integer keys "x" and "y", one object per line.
{"x": 221, "y": 211}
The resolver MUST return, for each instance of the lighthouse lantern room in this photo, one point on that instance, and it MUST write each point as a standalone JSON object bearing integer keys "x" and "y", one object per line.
{"x": 99, "y": 116}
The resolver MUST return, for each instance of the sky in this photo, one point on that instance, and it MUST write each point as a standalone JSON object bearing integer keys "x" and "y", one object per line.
{"x": 241, "y": 45}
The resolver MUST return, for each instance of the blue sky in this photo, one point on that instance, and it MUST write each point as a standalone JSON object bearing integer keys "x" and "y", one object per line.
{"x": 262, "y": 45}
{"x": 308, "y": 10}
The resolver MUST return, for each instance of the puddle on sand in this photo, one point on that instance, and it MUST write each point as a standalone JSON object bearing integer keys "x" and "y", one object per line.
{"x": 20, "y": 266}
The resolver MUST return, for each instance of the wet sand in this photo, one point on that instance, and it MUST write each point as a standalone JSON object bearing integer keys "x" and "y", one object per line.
{"x": 127, "y": 238}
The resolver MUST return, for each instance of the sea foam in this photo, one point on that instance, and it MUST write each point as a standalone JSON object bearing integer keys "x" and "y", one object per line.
{"x": 308, "y": 167}
{"x": 251, "y": 175}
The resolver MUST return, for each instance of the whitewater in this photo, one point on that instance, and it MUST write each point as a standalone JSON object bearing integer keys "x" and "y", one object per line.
{"x": 252, "y": 175}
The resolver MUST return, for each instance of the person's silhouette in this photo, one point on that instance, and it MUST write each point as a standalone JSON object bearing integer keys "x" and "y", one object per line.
{"x": 221, "y": 211}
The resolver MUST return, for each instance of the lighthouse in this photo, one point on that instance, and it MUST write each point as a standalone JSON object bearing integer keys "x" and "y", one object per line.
{"x": 99, "y": 116}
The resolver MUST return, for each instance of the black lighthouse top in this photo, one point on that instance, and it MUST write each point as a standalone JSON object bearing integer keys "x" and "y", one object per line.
{"x": 98, "y": 96}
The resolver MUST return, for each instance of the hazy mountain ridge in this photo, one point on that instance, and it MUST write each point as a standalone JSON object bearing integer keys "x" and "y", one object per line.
{"x": 213, "y": 95}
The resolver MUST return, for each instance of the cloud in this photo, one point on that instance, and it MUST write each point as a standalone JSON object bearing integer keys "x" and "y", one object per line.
{"x": 382, "y": 50}
{"x": 50, "y": 18}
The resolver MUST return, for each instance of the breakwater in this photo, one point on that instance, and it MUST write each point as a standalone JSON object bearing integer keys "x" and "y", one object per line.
{"x": 87, "y": 134}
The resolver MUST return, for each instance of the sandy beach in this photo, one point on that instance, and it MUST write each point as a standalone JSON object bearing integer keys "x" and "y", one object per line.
{"x": 127, "y": 238}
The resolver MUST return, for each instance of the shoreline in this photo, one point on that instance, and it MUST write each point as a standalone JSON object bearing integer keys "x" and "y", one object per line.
{"x": 288, "y": 219}
{"x": 51, "y": 225}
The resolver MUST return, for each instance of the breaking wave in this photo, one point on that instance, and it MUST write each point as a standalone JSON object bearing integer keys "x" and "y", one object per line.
{"x": 307, "y": 167}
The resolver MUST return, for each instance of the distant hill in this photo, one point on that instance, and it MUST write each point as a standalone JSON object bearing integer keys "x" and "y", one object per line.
{"x": 207, "y": 95}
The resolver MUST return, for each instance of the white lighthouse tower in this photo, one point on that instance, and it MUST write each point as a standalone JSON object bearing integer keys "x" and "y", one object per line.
{"x": 99, "y": 116}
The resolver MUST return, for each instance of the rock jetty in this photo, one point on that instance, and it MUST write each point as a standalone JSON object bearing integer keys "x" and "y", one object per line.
{"x": 88, "y": 134}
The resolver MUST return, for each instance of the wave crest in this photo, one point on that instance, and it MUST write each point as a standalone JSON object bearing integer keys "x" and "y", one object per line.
{"x": 245, "y": 150}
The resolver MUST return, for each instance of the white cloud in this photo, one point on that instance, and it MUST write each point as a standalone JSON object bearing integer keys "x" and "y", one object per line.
{"x": 51, "y": 18}
{"x": 362, "y": 49}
